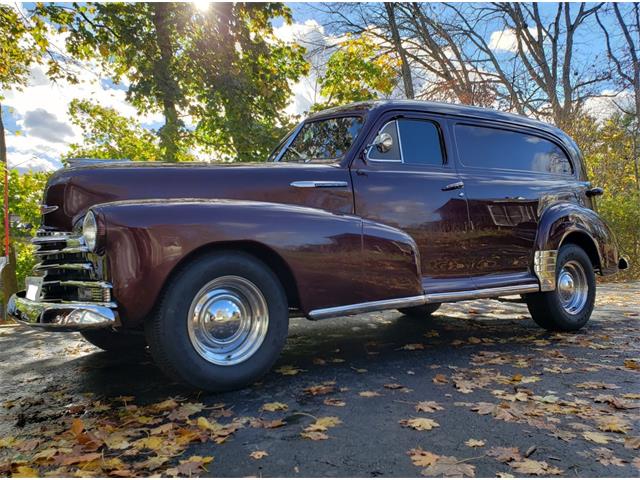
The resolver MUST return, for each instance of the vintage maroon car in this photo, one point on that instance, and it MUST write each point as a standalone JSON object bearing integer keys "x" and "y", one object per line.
{"x": 371, "y": 206}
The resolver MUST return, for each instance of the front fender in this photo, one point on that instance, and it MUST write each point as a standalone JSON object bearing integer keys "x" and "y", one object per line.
{"x": 563, "y": 219}
{"x": 146, "y": 241}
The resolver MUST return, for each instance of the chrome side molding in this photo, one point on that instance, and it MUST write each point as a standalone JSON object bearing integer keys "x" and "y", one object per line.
{"x": 481, "y": 293}
{"x": 544, "y": 266}
{"x": 354, "y": 309}
{"x": 318, "y": 184}
{"x": 367, "y": 307}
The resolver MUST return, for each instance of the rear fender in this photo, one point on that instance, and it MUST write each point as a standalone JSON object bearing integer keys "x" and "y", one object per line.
{"x": 565, "y": 222}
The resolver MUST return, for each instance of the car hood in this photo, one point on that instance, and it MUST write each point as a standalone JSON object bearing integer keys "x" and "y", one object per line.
{"x": 75, "y": 190}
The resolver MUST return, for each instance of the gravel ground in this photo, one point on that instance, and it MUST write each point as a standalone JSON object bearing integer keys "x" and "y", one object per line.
{"x": 567, "y": 402}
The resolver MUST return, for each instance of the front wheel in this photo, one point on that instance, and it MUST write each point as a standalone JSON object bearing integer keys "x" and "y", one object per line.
{"x": 221, "y": 323}
{"x": 569, "y": 306}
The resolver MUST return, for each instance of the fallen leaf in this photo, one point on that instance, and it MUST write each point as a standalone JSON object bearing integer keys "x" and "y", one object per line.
{"x": 320, "y": 389}
{"x": 22, "y": 471}
{"x": 449, "y": 467}
{"x": 606, "y": 457}
{"x": 323, "y": 423}
{"x": 369, "y": 394}
{"x": 419, "y": 423}
{"x": 596, "y": 437}
{"x": 612, "y": 423}
{"x": 393, "y": 386}
{"x": 421, "y": 458}
{"x": 632, "y": 443}
{"x": 413, "y": 346}
{"x": 472, "y": 442}
{"x": 534, "y": 467}
{"x": 428, "y": 406}
{"x": 289, "y": 370}
{"x": 504, "y": 454}
{"x": 440, "y": 379}
{"x": 314, "y": 435}
{"x": 257, "y": 455}
{"x": 334, "y": 402}
{"x": 274, "y": 407}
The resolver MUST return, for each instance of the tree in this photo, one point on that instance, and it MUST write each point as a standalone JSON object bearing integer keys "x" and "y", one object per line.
{"x": 24, "y": 43}
{"x": 220, "y": 78}
{"x": 109, "y": 135}
{"x": 358, "y": 70}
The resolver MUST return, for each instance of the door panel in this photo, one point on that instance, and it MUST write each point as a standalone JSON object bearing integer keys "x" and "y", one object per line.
{"x": 407, "y": 193}
{"x": 509, "y": 177}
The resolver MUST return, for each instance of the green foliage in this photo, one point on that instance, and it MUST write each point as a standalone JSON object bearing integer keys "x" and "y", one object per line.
{"x": 358, "y": 70}
{"x": 107, "y": 134}
{"x": 25, "y": 196}
{"x": 610, "y": 150}
{"x": 224, "y": 68}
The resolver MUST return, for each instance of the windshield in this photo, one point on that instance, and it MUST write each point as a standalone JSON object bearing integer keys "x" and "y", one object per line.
{"x": 322, "y": 140}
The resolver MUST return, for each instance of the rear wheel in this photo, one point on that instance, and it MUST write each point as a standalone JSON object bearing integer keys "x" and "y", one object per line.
{"x": 111, "y": 340}
{"x": 420, "y": 311}
{"x": 569, "y": 306}
{"x": 221, "y": 324}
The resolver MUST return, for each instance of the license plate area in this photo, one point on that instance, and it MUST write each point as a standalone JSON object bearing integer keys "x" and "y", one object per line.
{"x": 34, "y": 288}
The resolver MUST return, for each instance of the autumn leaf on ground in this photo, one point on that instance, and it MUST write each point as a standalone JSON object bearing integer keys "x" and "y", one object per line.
{"x": 606, "y": 457}
{"x": 419, "y": 423}
{"x": 185, "y": 410}
{"x": 167, "y": 405}
{"x": 257, "y": 455}
{"x": 596, "y": 437}
{"x": 322, "y": 389}
{"x": 22, "y": 471}
{"x": 289, "y": 370}
{"x": 413, "y": 346}
{"x": 421, "y": 458}
{"x": 393, "y": 386}
{"x": 596, "y": 386}
{"x": 440, "y": 379}
{"x": 314, "y": 435}
{"x": 428, "y": 406}
{"x": 534, "y": 467}
{"x": 632, "y": 443}
{"x": 323, "y": 423}
{"x": 631, "y": 364}
{"x": 274, "y": 407}
{"x": 449, "y": 467}
{"x": 472, "y": 442}
{"x": 190, "y": 467}
{"x": 504, "y": 454}
{"x": 334, "y": 402}
{"x": 368, "y": 394}
{"x": 612, "y": 424}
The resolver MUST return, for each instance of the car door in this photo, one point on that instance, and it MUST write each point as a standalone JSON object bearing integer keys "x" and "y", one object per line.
{"x": 510, "y": 174}
{"x": 415, "y": 187}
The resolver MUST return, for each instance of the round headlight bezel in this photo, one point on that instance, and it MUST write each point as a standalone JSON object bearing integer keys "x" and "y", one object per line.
{"x": 90, "y": 231}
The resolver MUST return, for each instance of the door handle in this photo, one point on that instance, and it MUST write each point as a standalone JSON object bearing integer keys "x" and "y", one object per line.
{"x": 318, "y": 184}
{"x": 453, "y": 186}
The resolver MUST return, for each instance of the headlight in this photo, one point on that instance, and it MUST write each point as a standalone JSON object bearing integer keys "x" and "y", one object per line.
{"x": 90, "y": 230}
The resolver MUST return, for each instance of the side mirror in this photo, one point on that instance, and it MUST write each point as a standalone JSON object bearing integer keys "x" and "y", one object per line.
{"x": 383, "y": 142}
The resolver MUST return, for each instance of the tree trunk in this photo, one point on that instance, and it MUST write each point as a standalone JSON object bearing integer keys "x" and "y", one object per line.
{"x": 9, "y": 281}
{"x": 397, "y": 41}
{"x": 168, "y": 89}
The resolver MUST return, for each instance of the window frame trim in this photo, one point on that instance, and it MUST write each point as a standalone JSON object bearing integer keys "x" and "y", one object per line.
{"x": 413, "y": 116}
{"x": 481, "y": 123}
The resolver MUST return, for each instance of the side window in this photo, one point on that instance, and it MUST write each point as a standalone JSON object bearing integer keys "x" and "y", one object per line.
{"x": 420, "y": 140}
{"x": 392, "y": 155}
{"x": 488, "y": 147}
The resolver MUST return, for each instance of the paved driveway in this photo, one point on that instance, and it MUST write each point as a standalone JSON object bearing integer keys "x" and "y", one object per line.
{"x": 476, "y": 390}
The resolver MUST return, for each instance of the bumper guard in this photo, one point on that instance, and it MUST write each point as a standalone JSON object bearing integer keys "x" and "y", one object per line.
{"x": 62, "y": 316}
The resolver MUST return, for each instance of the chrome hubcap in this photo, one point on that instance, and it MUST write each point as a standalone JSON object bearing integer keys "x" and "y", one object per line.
{"x": 228, "y": 320}
{"x": 573, "y": 287}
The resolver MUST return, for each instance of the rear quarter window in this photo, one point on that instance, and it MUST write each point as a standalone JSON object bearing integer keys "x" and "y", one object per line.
{"x": 496, "y": 148}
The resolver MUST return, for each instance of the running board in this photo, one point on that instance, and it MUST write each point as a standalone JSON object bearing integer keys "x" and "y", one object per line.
{"x": 357, "y": 308}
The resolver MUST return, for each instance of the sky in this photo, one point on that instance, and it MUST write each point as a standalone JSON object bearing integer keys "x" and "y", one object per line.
{"x": 39, "y": 129}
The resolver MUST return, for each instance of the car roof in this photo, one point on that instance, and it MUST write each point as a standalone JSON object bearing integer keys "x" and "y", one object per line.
{"x": 444, "y": 109}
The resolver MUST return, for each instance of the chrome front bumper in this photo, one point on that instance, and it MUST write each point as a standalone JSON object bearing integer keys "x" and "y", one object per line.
{"x": 62, "y": 316}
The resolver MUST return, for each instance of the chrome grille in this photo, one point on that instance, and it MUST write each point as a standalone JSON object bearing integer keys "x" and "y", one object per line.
{"x": 70, "y": 271}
